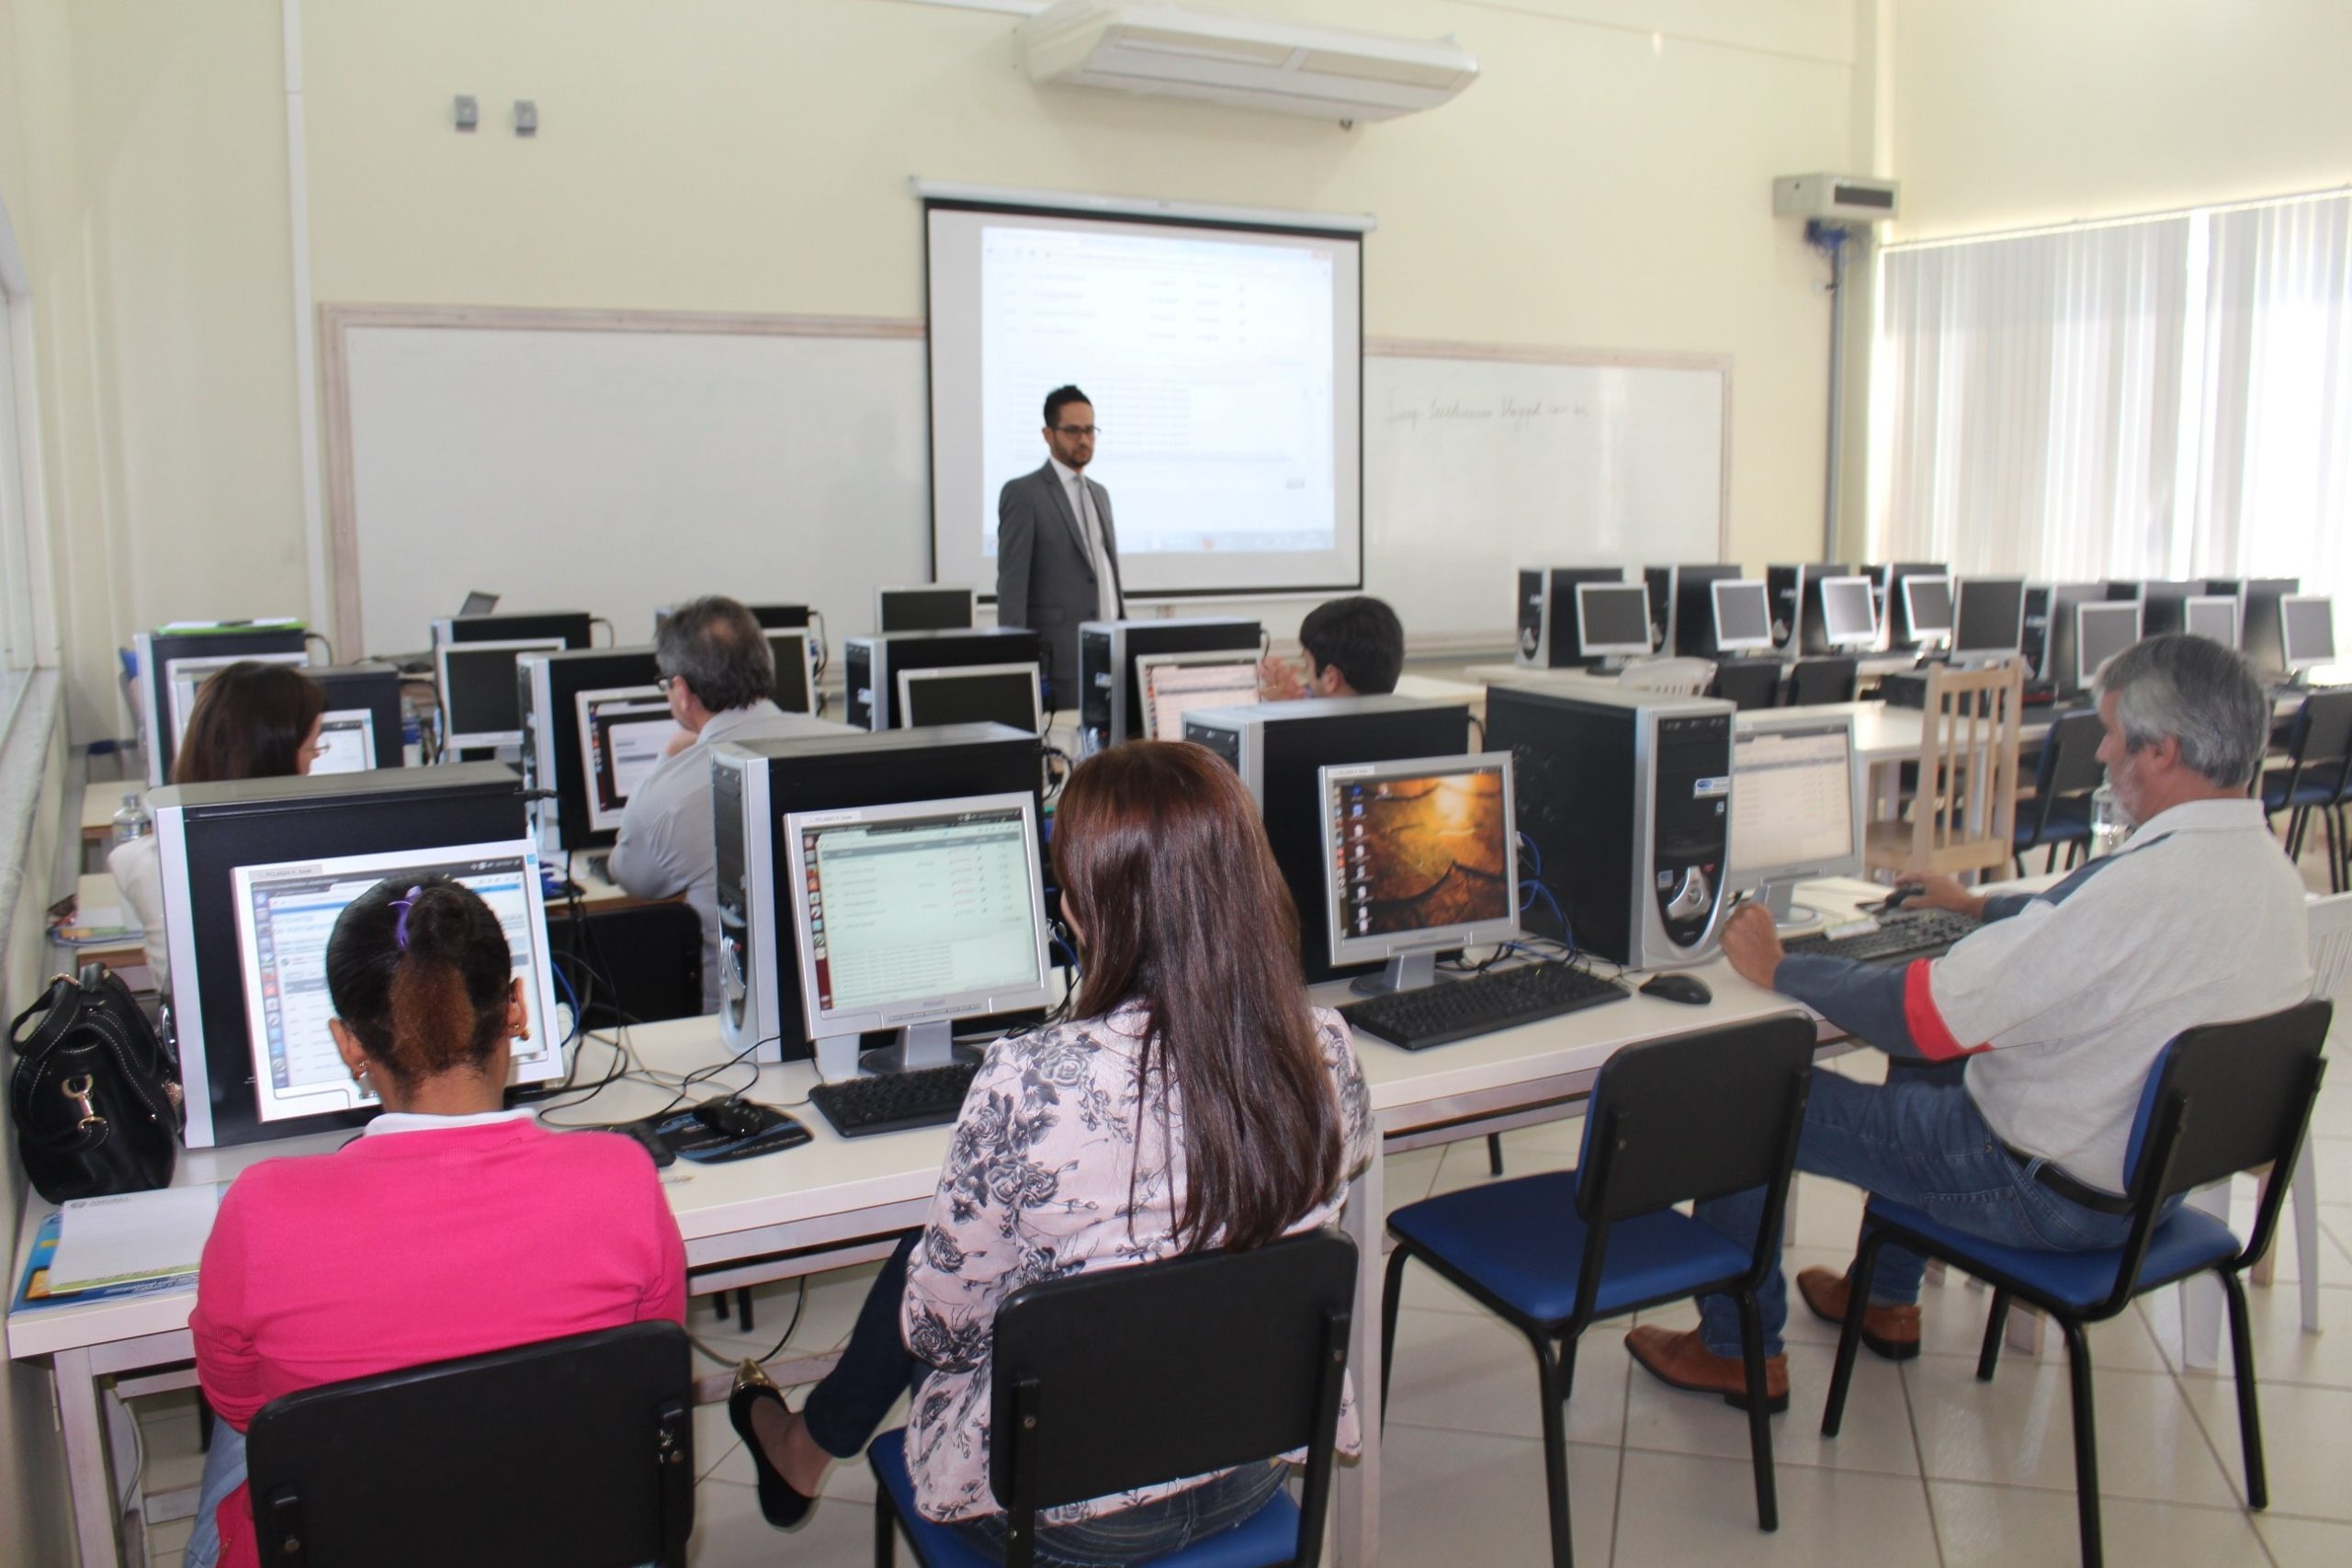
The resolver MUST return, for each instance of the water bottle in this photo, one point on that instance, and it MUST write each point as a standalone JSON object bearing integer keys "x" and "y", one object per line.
{"x": 412, "y": 732}
{"x": 2108, "y": 825}
{"x": 131, "y": 822}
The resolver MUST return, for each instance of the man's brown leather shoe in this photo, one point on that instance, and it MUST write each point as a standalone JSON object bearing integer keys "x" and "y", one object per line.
{"x": 1890, "y": 1331}
{"x": 1682, "y": 1360}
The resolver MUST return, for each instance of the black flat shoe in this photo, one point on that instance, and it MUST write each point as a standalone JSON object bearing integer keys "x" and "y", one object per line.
{"x": 781, "y": 1504}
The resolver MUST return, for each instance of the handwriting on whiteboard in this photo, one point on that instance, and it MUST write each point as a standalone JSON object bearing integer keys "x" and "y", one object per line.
{"x": 1437, "y": 410}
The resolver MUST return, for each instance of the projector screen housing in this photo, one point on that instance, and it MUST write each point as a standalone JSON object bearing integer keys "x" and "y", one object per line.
{"x": 1240, "y": 341}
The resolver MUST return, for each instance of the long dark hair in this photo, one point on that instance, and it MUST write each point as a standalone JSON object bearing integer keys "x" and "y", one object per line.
{"x": 420, "y": 972}
{"x": 1162, "y": 859}
{"x": 250, "y": 722}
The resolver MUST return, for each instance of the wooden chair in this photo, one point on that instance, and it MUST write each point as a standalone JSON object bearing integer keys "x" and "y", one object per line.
{"x": 1964, "y": 816}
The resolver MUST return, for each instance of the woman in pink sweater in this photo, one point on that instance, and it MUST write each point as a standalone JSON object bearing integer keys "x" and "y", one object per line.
{"x": 450, "y": 1227}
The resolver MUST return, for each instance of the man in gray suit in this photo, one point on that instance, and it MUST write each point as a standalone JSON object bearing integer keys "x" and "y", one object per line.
{"x": 1057, "y": 556}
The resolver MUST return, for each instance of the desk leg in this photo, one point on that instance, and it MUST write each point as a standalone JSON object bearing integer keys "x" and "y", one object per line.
{"x": 88, "y": 1474}
{"x": 1366, "y": 1221}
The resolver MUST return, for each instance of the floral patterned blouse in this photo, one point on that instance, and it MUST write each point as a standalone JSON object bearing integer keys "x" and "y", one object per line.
{"x": 1036, "y": 1187}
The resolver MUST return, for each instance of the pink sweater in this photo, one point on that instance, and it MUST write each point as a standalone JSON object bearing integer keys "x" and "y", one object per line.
{"x": 410, "y": 1247}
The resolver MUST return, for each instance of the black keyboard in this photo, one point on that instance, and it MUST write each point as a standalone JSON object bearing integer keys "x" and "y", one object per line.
{"x": 891, "y": 1103}
{"x": 1479, "y": 1004}
{"x": 1901, "y": 936}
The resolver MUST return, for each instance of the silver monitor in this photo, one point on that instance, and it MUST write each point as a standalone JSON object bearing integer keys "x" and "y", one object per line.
{"x": 625, "y": 733}
{"x": 1796, "y": 807}
{"x": 2103, "y": 628}
{"x": 1743, "y": 615}
{"x": 346, "y": 741}
{"x": 1988, "y": 618}
{"x": 2307, "y": 630}
{"x": 1173, "y": 684}
{"x": 796, "y": 681}
{"x": 1927, "y": 605}
{"x": 479, "y": 703}
{"x": 1419, "y": 856}
{"x": 909, "y": 916}
{"x": 1848, "y": 617}
{"x": 971, "y": 694}
{"x": 2213, "y": 616}
{"x": 1612, "y": 620}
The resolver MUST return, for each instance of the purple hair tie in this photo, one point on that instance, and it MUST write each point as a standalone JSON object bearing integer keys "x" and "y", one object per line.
{"x": 400, "y": 927}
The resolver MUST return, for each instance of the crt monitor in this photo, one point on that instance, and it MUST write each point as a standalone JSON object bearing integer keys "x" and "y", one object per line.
{"x": 2213, "y": 616}
{"x": 796, "y": 690}
{"x": 480, "y": 705}
{"x": 1743, "y": 616}
{"x": 930, "y": 608}
{"x": 1173, "y": 684}
{"x": 1848, "y": 618}
{"x": 1612, "y": 620}
{"x": 1988, "y": 618}
{"x": 1796, "y": 811}
{"x": 1926, "y": 609}
{"x": 910, "y": 917}
{"x": 2307, "y": 630}
{"x": 971, "y": 694}
{"x": 346, "y": 741}
{"x": 1419, "y": 856}
{"x": 2103, "y": 628}
{"x": 625, "y": 732}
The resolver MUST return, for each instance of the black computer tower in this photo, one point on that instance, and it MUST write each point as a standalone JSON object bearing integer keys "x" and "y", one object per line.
{"x": 2054, "y": 660}
{"x": 374, "y": 689}
{"x": 1278, "y": 749}
{"x": 2261, "y": 632}
{"x": 757, "y": 783}
{"x": 1110, "y": 703}
{"x": 2164, "y": 605}
{"x": 2033, "y": 646}
{"x": 1666, "y": 600}
{"x": 1694, "y": 609}
{"x": 1794, "y": 595}
{"x": 1550, "y": 631}
{"x": 1625, "y": 796}
{"x": 547, "y": 686}
{"x": 871, "y": 665}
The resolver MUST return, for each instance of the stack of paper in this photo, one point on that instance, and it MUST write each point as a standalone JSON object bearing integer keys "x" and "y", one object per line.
{"x": 138, "y": 1236}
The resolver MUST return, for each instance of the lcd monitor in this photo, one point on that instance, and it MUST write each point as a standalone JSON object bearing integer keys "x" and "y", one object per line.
{"x": 346, "y": 741}
{"x": 1612, "y": 620}
{"x": 1901, "y": 633}
{"x": 480, "y": 707}
{"x": 1796, "y": 808}
{"x": 1419, "y": 856}
{"x": 971, "y": 694}
{"x": 2213, "y": 616}
{"x": 1988, "y": 618}
{"x": 1927, "y": 609}
{"x": 625, "y": 732}
{"x": 1848, "y": 618}
{"x": 1173, "y": 684}
{"x": 1743, "y": 616}
{"x": 930, "y": 608}
{"x": 2102, "y": 630}
{"x": 2307, "y": 630}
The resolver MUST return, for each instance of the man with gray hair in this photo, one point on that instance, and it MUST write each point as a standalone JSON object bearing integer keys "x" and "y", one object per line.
{"x": 719, "y": 677}
{"x": 2058, "y": 1008}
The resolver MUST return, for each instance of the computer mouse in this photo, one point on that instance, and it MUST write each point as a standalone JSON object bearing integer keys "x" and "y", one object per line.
{"x": 736, "y": 1118}
{"x": 1900, "y": 896}
{"x": 1685, "y": 988}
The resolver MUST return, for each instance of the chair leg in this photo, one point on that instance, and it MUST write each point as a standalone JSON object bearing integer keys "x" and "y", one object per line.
{"x": 2200, "y": 1299}
{"x": 1995, "y": 1321}
{"x": 1389, "y": 1297}
{"x": 743, "y": 1310}
{"x": 2078, "y": 1367}
{"x": 885, "y": 1530}
{"x": 1849, "y": 1334}
{"x": 1759, "y": 1418}
{"x": 2305, "y": 1194}
{"x": 1494, "y": 1154}
{"x": 1555, "y": 1374}
{"x": 2258, "y": 1483}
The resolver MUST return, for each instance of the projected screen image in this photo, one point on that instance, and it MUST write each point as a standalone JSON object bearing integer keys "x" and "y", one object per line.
{"x": 1421, "y": 853}
{"x": 286, "y": 911}
{"x": 625, "y": 732}
{"x": 1224, "y": 369}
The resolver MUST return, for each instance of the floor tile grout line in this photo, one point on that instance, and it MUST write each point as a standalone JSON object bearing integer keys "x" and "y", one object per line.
{"x": 1625, "y": 1435}
{"x": 1919, "y": 1455}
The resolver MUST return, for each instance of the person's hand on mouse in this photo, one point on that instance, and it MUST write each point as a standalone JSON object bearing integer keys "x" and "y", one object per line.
{"x": 1753, "y": 945}
{"x": 1936, "y": 891}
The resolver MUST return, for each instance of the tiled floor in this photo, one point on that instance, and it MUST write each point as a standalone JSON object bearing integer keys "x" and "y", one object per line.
{"x": 1932, "y": 1468}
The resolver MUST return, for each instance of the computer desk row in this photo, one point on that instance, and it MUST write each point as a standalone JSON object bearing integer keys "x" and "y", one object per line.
{"x": 833, "y": 1202}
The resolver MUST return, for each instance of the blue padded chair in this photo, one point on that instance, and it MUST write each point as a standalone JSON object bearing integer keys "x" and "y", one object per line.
{"x": 2221, "y": 1099}
{"x": 1699, "y": 1116}
{"x": 1106, "y": 1381}
{"x": 2060, "y": 812}
{"x": 2316, "y": 779}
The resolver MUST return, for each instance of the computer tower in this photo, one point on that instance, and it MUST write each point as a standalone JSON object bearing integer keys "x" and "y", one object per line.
{"x": 554, "y": 773}
{"x": 155, "y": 652}
{"x": 1548, "y": 623}
{"x": 1667, "y": 599}
{"x": 572, "y": 625}
{"x": 2261, "y": 634}
{"x": 1794, "y": 594}
{"x": 2164, "y": 605}
{"x": 757, "y": 783}
{"x": 2034, "y": 645}
{"x": 1625, "y": 796}
{"x": 1278, "y": 748}
{"x": 871, "y": 664}
{"x": 371, "y": 688}
{"x": 1110, "y": 703}
{"x": 1694, "y": 609}
{"x": 1900, "y": 636}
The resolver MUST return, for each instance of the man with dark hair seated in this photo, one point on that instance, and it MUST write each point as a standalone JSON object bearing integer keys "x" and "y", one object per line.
{"x": 1355, "y": 647}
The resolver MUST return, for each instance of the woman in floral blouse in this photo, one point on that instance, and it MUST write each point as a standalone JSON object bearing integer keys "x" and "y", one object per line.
{"x": 1195, "y": 1101}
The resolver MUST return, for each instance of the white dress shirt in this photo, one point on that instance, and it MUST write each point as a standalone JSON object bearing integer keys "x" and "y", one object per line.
{"x": 1089, "y": 521}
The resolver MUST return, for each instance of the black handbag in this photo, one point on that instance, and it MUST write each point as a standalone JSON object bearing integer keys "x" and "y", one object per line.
{"x": 96, "y": 1097}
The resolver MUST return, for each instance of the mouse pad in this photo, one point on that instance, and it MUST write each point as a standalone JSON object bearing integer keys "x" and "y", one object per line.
{"x": 686, "y": 1133}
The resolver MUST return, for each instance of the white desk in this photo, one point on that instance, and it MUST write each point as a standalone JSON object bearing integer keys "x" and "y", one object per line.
{"x": 834, "y": 1202}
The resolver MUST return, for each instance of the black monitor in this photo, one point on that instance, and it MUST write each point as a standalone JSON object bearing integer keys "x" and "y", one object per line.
{"x": 361, "y": 727}
{"x": 480, "y": 705}
{"x": 1901, "y": 633}
{"x": 971, "y": 694}
{"x": 773, "y": 617}
{"x": 567, "y": 628}
{"x": 935, "y": 607}
{"x": 1694, "y": 608}
{"x": 593, "y": 723}
{"x": 175, "y": 662}
{"x": 1988, "y": 618}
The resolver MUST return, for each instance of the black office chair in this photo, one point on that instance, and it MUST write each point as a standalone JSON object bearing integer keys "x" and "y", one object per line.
{"x": 1747, "y": 682}
{"x": 1813, "y": 682}
{"x": 638, "y": 963}
{"x": 2316, "y": 779}
{"x": 2222, "y": 1098}
{"x": 2069, "y": 770}
{"x": 1128, "y": 1377}
{"x": 1699, "y": 1116}
{"x": 577, "y": 1451}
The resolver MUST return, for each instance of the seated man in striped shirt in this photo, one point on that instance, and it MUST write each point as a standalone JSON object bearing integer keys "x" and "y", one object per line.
{"x": 2059, "y": 1006}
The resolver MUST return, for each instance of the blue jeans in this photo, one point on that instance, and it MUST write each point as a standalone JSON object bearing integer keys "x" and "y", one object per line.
{"x": 224, "y": 1472}
{"x": 1918, "y": 1140}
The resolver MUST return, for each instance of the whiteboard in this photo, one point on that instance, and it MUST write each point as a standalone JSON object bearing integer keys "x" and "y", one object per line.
{"x": 615, "y": 462}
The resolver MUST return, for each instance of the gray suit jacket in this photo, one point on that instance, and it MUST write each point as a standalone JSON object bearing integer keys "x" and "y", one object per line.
{"x": 1045, "y": 574}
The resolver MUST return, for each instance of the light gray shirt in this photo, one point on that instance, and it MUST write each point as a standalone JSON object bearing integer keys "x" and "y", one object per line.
{"x": 665, "y": 846}
{"x": 1089, "y": 518}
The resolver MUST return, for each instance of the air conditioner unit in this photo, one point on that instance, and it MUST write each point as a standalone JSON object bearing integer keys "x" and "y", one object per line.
{"x": 1834, "y": 199}
{"x": 1324, "y": 72}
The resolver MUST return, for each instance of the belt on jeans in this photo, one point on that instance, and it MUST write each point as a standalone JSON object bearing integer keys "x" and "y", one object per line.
{"x": 2050, "y": 1175}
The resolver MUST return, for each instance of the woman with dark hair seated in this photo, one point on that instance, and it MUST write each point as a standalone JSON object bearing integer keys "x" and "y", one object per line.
{"x": 251, "y": 721}
{"x": 1196, "y": 1102}
{"x": 450, "y": 1227}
